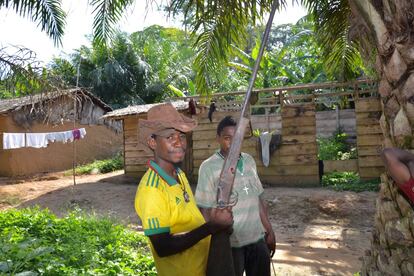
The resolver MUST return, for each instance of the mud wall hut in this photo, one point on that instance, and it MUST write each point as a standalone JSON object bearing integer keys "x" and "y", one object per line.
{"x": 54, "y": 112}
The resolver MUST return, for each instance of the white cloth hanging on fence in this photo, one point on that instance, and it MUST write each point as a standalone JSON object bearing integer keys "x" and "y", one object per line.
{"x": 39, "y": 140}
{"x": 265, "y": 139}
{"x": 57, "y": 136}
{"x": 62, "y": 136}
{"x": 82, "y": 132}
{"x": 13, "y": 140}
{"x": 36, "y": 140}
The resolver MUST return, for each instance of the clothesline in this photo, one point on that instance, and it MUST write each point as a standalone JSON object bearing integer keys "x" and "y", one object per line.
{"x": 40, "y": 140}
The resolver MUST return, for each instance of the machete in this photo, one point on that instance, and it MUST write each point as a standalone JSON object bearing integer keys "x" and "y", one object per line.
{"x": 220, "y": 260}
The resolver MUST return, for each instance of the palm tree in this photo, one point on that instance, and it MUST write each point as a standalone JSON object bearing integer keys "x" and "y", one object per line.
{"x": 381, "y": 30}
{"x": 22, "y": 69}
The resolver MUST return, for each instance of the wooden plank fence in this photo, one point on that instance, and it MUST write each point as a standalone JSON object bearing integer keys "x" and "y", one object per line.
{"x": 327, "y": 122}
{"x": 292, "y": 115}
{"x": 369, "y": 137}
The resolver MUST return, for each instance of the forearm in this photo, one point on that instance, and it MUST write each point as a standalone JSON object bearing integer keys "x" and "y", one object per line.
{"x": 264, "y": 216}
{"x": 392, "y": 154}
{"x": 168, "y": 244}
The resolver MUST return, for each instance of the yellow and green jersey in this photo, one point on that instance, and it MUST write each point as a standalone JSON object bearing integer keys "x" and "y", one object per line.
{"x": 162, "y": 208}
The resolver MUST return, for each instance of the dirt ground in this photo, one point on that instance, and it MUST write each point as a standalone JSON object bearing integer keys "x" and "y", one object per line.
{"x": 319, "y": 231}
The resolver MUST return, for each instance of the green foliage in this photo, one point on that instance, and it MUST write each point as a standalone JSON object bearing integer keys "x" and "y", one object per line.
{"x": 144, "y": 67}
{"x": 349, "y": 181}
{"x": 48, "y": 15}
{"x": 169, "y": 54}
{"x": 10, "y": 200}
{"x": 107, "y": 14}
{"x": 101, "y": 166}
{"x": 36, "y": 242}
{"x": 291, "y": 57}
{"x": 339, "y": 40}
{"x": 256, "y": 133}
{"x": 21, "y": 73}
{"x": 335, "y": 147}
{"x": 216, "y": 25}
{"x": 115, "y": 72}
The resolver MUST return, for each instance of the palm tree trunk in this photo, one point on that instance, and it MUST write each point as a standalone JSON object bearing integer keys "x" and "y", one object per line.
{"x": 391, "y": 23}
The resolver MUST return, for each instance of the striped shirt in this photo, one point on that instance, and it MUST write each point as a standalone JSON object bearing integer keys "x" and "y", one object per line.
{"x": 248, "y": 227}
{"x": 163, "y": 208}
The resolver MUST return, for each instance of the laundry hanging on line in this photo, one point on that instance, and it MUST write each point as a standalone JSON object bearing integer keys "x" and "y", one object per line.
{"x": 40, "y": 140}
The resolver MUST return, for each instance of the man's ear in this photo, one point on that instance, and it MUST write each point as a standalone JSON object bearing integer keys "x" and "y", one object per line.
{"x": 152, "y": 144}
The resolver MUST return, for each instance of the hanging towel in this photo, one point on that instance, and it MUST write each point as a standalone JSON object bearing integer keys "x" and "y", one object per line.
{"x": 37, "y": 140}
{"x": 13, "y": 140}
{"x": 68, "y": 136}
{"x": 82, "y": 133}
{"x": 76, "y": 134}
{"x": 265, "y": 138}
{"x": 57, "y": 136}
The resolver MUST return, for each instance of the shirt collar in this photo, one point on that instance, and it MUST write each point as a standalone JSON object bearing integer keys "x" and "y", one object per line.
{"x": 168, "y": 178}
{"x": 240, "y": 163}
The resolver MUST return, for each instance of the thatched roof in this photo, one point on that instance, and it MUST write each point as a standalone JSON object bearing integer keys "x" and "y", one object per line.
{"x": 140, "y": 109}
{"x": 18, "y": 103}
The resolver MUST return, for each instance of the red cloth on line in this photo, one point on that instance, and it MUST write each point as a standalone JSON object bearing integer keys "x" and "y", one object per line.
{"x": 76, "y": 134}
{"x": 408, "y": 189}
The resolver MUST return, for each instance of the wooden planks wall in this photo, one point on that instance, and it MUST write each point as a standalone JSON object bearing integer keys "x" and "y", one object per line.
{"x": 326, "y": 122}
{"x": 369, "y": 137}
{"x": 135, "y": 157}
{"x": 295, "y": 163}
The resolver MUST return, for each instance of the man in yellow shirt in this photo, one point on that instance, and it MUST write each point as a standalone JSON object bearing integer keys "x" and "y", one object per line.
{"x": 178, "y": 233}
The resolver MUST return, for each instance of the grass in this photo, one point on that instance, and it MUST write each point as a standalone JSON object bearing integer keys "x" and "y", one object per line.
{"x": 36, "y": 242}
{"x": 100, "y": 166}
{"x": 349, "y": 181}
{"x": 10, "y": 200}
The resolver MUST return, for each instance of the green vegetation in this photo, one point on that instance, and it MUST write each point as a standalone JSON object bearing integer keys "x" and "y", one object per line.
{"x": 34, "y": 242}
{"x": 349, "y": 181}
{"x": 10, "y": 200}
{"x": 335, "y": 147}
{"x": 100, "y": 166}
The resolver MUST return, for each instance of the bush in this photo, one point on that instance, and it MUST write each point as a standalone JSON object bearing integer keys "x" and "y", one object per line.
{"x": 36, "y": 242}
{"x": 101, "y": 166}
{"x": 349, "y": 181}
{"x": 335, "y": 147}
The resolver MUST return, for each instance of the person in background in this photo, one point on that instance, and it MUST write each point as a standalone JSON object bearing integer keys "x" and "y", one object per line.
{"x": 253, "y": 240}
{"x": 400, "y": 166}
{"x": 179, "y": 236}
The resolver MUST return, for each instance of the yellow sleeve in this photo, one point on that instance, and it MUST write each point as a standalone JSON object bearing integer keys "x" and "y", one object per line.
{"x": 152, "y": 206}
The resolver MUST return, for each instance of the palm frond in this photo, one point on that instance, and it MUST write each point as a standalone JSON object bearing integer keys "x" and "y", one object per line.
{"x": 333, "y": 23}
{"x": 47, "y": 13}
{"x": 21, "y": 72}
{"x": 106, "y": 14}
{"x": 245, "y": 57}
{"x": 240, "y": 67}
{"x": 217, "y": 25}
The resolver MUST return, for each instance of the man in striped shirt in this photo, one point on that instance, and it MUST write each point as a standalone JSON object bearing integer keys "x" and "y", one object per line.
{"x": 253, "y": 240}
{"x": 179, "y": 236}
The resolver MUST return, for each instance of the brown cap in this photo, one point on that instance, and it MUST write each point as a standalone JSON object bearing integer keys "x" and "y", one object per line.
{"x": 163, "y": 116}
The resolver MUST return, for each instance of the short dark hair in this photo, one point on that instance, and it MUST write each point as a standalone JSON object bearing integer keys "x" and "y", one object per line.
{"x": 225, "y": 122}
